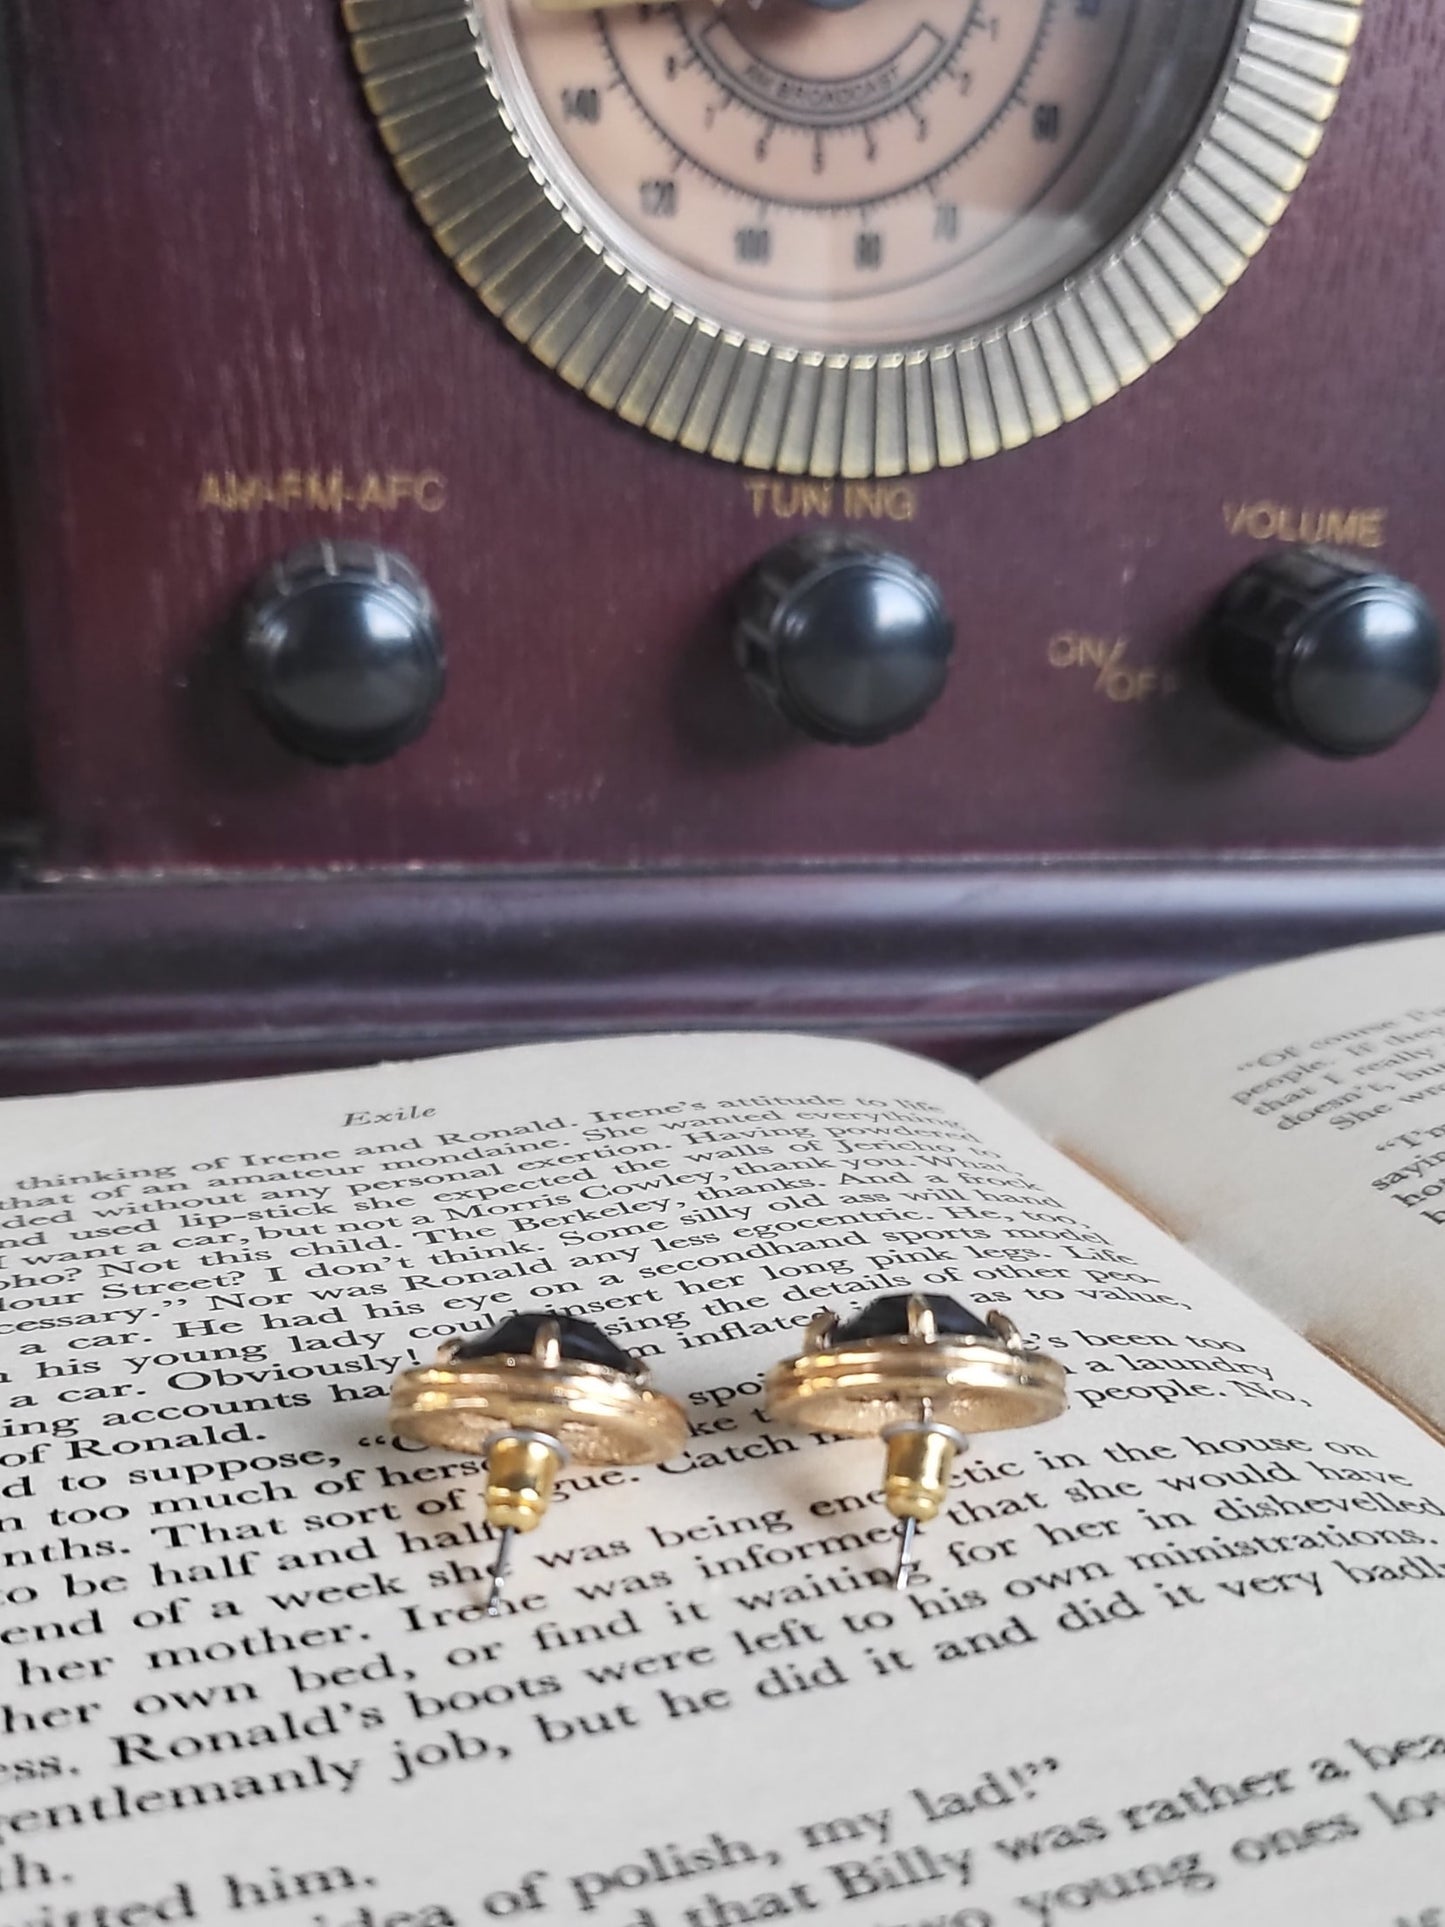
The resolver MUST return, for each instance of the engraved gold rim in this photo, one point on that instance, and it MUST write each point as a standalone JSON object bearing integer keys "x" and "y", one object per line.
{"x": 598, "y": 1416}
{"x": 631, "y": 349}
{"x": 969, "y": 1383}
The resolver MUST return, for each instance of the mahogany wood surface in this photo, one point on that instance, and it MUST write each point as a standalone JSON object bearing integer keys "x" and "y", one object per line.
{"x": 147, "y": 982}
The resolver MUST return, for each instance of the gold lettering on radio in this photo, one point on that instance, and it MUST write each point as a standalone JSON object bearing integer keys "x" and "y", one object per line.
{"x": 783, "y": 501}
{"x": 1106, "y": 658}
{"x": 1279, "y": 522}
{"x": 331, "y": 491}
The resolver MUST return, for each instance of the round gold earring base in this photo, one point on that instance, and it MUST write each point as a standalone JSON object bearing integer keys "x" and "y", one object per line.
{"x": 969, "y": 1384}
{"x": 597, "y": 1416}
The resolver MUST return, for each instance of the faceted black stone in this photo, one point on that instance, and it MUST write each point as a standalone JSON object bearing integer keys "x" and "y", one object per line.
{"x": 579, "y": 1340}
{"x": 887, "y": 1317}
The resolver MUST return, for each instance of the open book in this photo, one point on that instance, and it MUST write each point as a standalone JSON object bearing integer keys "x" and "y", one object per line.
{"x": 1174, "y": 1657}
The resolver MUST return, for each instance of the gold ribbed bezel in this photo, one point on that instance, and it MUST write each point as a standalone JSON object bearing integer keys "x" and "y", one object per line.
{"x": 902, "y": 411}
{"x": 858, "y": 1390}
{"x": 598, "y": 1416}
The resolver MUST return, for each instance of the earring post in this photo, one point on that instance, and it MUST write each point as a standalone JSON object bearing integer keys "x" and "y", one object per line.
{"x": 903, "y": 1571}
{"x": 499, "y": 1571}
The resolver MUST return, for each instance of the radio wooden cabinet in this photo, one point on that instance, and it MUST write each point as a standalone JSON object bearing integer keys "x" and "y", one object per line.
{"x": 523, "y": 523}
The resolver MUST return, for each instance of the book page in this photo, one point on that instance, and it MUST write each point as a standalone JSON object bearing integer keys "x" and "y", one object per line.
{"x": 1171, "y": 1658}
{"x": 1289, "y": 1125}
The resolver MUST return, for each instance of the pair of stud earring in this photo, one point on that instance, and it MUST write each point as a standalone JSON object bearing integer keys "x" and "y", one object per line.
{"x": 540, "y": 1390}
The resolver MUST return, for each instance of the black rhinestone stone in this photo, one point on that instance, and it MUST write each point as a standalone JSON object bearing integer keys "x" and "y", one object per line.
{"x": 579, "y": 1341}
{"x": 887, "y": 1317}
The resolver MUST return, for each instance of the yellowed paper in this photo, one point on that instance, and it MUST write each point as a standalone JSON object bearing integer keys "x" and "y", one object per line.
{"x": 1171, "y": 1659}
{"x": 1289, "y": 1125}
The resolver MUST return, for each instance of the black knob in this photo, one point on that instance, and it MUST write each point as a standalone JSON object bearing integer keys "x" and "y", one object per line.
{"x": 341, "y": 652}
{"x": 847, "y": 640}
{"x": 1339, "y": 657}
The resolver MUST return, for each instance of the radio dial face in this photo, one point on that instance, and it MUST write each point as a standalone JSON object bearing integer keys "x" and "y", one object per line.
{"x": 852, "y": 237}
{"x": 864, "y": 176}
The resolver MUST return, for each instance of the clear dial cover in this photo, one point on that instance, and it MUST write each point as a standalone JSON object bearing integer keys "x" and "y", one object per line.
{"x": 847, "y": 175}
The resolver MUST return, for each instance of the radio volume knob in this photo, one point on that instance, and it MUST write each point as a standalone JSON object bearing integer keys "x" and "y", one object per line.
{"x": 1338, "y": 657}
{"x": 341, "y": 652}
{"x": 846, "y": 639}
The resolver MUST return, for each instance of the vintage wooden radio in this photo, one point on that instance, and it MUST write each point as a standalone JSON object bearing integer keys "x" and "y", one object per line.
{"x": 531, "y": 519}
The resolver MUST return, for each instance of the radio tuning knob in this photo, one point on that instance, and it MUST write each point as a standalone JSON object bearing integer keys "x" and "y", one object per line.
{"x": 846, "y": 639}
{"x": 341, "y": 652}
{"x": 1334, "y": 655}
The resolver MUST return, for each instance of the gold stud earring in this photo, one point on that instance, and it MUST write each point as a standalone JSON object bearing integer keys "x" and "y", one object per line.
{"x": 536, "y": 1391}
{"x": 920, "y": 1372}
